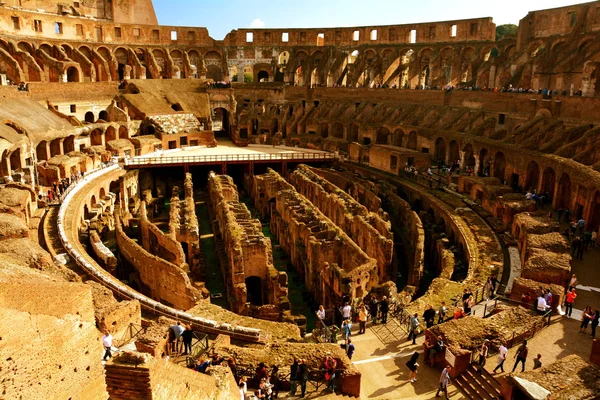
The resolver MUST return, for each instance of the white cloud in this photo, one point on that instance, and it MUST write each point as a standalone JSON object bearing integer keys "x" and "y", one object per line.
{"x": 257, "y": 23}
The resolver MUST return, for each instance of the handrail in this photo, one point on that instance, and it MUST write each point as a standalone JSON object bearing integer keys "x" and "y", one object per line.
{"x": 86, "y": 262}
{"x": 211, "y": 158}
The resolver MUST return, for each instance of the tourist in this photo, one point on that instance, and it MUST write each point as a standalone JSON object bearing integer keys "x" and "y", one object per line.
{"x": 502, "y": 353}
{"x": 541, "y": 305}
{"x": 275, "y": 381}
{"x": 294, "y": 370}
{"x": 459, "y": 312}
{"x": 202, "y": 365}
{"x": 429, "y": 316}
{"x": 349, "y": 348}
{"x": 537, "y": 362}
{"x": 580, "y": 248}
{"x": 573, "y": 282}
{"x": 329, "y": 365}
{"x": 595, "y": 319}
{"x": 187, "y": 336}
{"x": 570, "y": 299}
{"x": 526, "y": 299}
{"x": 414, "y": 328}
{"x": 261, "y": 372}
{"x": 594, "y": 238}
{"x": 363, "y": 315}
{"x": 243, "y": 386}
{"x": 264, "y": 389}
{"x": 521, "y": 356}
{"x": 567, "y": 215}
{"x": 385, "y": 308}
{"x": 444, "y": 381}
{"x": 483, "y": 353}
{"x": 216, "y": 360}
{"x": 587, "y": 239}
{"x": 580, "y": 226}
{"x": 412, "y": 367}
{"x": 107, "y": 340}
{"x": 438, "y": 348}
{"x": 442, "y": 312}
{"x": 347, "y": 330}
{"x": 468, "y": 304}
{"x": 346, "y": 311}
{"x": 586, "y": 317}
{"x": 374, "y": 309}
{"x": 175, "y": 332}
{"x": 548, "y": 298}
{"x": 428, "y": 349}
{"x": 321, "y": 314}
{"x": 303, "y": 376}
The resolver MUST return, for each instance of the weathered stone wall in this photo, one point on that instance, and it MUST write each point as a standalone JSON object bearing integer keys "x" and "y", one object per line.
{"x": 249, "y": 252}
{"x": 370, "y": 231}
{"x": 166, "y": 281}
{"x": 523, "y": 285}
{"x": 365, "y": 192}
{"x": 156, "y": 242}
{"x": 114, "y": 315}
{"x": 331, "y": 264}
{"x": 264, "y": 190}
{"x": 50, "y": 342}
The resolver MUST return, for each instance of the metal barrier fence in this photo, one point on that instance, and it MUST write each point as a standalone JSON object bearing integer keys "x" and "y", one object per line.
{"x": 218, "y": 158}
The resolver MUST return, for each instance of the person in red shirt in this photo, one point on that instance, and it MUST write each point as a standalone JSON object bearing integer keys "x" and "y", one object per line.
{"x": 571, "y": 296}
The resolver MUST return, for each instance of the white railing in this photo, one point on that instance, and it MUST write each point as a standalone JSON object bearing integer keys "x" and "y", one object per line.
{"x": 218, "y": 158}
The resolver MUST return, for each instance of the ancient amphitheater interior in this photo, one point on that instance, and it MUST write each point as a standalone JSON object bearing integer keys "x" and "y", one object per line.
{"x": 152, "y": 175}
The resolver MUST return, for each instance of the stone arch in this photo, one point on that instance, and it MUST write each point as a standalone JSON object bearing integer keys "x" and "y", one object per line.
{"x": 69, "y": 144}
{"x": 338, "y": 130}
{"x": 353, "y": 131}
{"x": 178, "y": 62}
{"x": 499, "y": 165}
{"x": 41, "y": 151}
{"x": 89, "y": 117}
{"x": 262, "y": 76}
{"x": 532, "y": 178}
{"x": 454, "y": 153}
{"x": 15, "y": 159}
{"x": 412, "y": 141}
{"x": 484, "y": 163}
{"x": 324, "y": 129}
{"x": 563, "y": 197}
{"x": 111, "y": 134}
{"x": 382, "y": 135}
{"x": 73, "y": 75}
{"x": 102, "y": 193}
{"x": 96, "y": 137}
{"x": 103, "y": 116}
{"x": 398, "y": 138}
{"x": 26, "y": 47}
{"x": 214, "y": 72}
{"x": 55, "y": 147}
{"x": 468, "y": 157}
{"x": 440, "y": 149}
{"x": 123, "y": 132}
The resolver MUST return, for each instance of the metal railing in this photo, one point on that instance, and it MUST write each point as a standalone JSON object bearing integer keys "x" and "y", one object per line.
{"x": 132, "y": 332}
{"x": 218, "y": 158}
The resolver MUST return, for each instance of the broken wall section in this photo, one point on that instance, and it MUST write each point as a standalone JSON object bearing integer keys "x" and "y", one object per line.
{"x": 249, "y": 256}
{"x": 370, "y": 231}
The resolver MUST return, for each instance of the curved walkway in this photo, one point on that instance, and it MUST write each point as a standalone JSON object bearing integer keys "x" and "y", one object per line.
{"x": 69, "y": 236}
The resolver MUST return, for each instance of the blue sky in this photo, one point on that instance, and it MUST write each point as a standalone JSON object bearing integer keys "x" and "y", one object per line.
{"x": 221, "y": 17}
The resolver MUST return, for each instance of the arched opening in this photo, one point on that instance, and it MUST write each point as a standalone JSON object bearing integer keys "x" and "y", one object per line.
{"x": 254, "y": 126}
{"x": 103, "y": 116}
{"x": 93, "y": 201}
{"x": 499, "y": 165}
{"x": 398, "y": 138}
{"x": 89, "y": 117}
{"x": 123, "y": 132}
{"x": 72, "y": 74}
{"x": 440, "y": 150}
{"x": 69, "y": 144}
{"x": 214, "y": 72}
{"x": 454, "y": 156}
{"x": 382, "y": 135}
{"x": 412, "y": 141}
{"x": 111, "y": 134}
{"x": 548, "y": 183}
{"x": 55, "y": 149}
{"x": 41, "y": 151}
{"x": 564, "y": 192}
{"x": 594, "y": 219}
{"x": 353, "y": 133}
{"x": 263, "y": 76}
{"x": 484, "y": 163}
{"x": 532, "y": 178}
{"x": 15, "y": 160}
{"x": 96, "y": 137}
{"x": 221, "y": 122}
{"x": 102, "y": 193}
{"x": 469, "y": 157}
{"x": 324, "y": 130}
{"x": 338, "y": 130}
{"x": 254, "y": 290}
{"x": 274, "y": 126}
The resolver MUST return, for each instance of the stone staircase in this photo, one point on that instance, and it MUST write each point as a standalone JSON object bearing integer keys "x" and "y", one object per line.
{"x": 477, "y": 385}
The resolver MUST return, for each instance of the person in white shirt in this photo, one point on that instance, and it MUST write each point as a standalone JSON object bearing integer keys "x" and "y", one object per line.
{"x": 541, "y": 305}
{"x": 107, "y": 340}
{"x": 346, "y": 311}
{"x": 321, "y": 313}
{"x": 502, "y": 352}
{"x": 444, "y": 381}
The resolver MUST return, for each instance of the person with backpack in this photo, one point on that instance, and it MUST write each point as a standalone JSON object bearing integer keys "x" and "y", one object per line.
{"x": 414, "y": 328}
